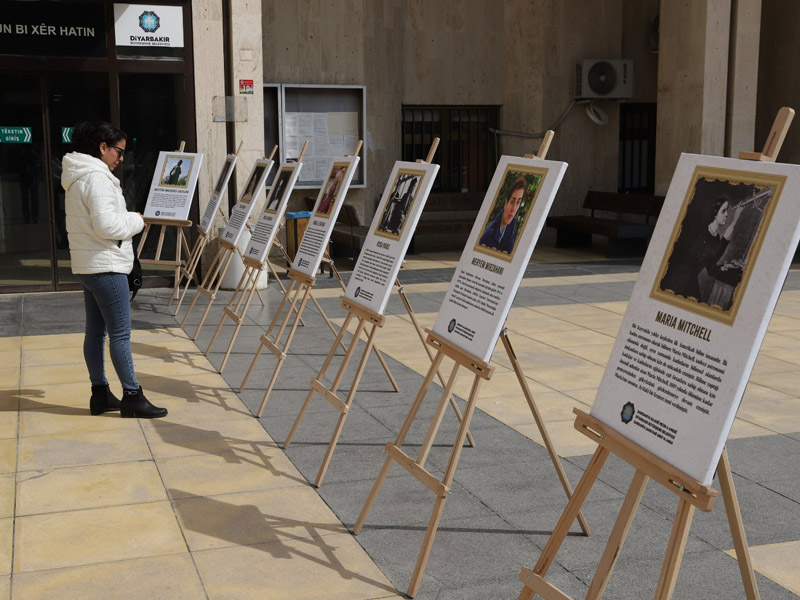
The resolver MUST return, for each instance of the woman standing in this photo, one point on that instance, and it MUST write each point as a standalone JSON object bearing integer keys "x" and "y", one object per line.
{"x": 100, "y": 229}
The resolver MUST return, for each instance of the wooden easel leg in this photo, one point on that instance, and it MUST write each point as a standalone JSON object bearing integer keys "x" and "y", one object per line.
{"x": 523, "y": 382}
{"x": 320, "y": 375}
{"x": 675, "y": 548}
{"x": 191, "y": 268}
{"x": 401, "y": 436}
{"x": 282, "y": 356}
{"x": 265, "y": 337}
{"x": 734, "y": 515}
{"x": 236, "y": 292}
{"x": 240, "y": 319}
{"x": 618, "y": 534}
{"x": 450, "y": 472}
{"x": 433, "y": 428}
{"x": 203, "y": 289}
{"x": 418, "y": 329}
{"x": 561, "y": 529}
{"x": 226, "y": 261}
{"x": 345, "y": 409}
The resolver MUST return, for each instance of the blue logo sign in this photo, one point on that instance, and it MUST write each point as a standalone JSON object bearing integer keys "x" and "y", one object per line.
{"x": 627, "y": 413}
{"x": 358, "y": 291}
{"x": 451, "y": 326}
{"x": 158, "y": 212}
{"x": 149, "y": 21}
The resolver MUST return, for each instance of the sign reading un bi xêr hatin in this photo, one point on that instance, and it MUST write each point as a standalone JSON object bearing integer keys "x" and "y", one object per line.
{"x": 15, "y": 135}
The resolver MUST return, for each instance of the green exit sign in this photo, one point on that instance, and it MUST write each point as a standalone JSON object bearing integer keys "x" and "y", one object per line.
{"x": 15, "y": 135}
{"x": 66, "y": 135}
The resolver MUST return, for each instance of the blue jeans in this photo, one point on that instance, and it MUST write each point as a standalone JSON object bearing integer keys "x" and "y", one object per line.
{"x": 108, "y": 309}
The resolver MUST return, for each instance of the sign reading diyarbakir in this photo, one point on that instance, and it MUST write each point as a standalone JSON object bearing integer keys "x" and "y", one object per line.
{"x": 700, "y": 307}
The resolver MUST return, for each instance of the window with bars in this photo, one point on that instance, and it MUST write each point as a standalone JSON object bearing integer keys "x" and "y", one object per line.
{"x": 637, "y": 148}
{"x": 466, "y": 152}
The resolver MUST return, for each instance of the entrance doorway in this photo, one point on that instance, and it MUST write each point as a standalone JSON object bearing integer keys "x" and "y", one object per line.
{"x": 39, "y": 111}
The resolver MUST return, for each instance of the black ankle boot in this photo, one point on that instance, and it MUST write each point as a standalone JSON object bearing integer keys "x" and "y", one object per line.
{"x": 134, "y": 404}
{"x": 102, "y": 400}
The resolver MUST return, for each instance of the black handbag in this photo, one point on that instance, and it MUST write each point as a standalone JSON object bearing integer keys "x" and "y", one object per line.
{"x": 135, "y": 277}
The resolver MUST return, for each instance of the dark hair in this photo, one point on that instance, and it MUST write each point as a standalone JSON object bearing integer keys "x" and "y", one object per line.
{"x": 87, "y": 137}
{"x": 519, "y": 184}
{"x": 716, "y": 206}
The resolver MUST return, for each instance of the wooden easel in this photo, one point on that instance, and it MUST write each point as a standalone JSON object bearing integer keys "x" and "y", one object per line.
{"x": 248, "y": 284}
{"x": 691, "y": 494}
{"x": 216, "y": 273}
{"x": 187, "y": 273}
{"x": 365, "y": 317}
{"x": 180, "y": 243}
{"x": 481, "y": 371}
{"x": 300, "y": 283}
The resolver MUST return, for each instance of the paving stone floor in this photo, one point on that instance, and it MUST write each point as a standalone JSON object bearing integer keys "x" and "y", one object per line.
{"x": 206, "y": 503}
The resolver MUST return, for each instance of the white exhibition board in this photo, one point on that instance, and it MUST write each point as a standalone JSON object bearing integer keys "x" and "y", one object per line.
{"x": 389, "y": 235}
{"x": 700, "y": 308}
{"x": 323, "y": 217}
{"x": 498, "y": 249}
{"x": 274, "y": 207}
{"x": 173, "y": 185}
{"x": 218, "y": 193}
{"x": 247, "y": 201}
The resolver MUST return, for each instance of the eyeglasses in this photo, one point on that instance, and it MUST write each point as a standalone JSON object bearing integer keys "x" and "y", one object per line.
{"x": 120, "y": 151}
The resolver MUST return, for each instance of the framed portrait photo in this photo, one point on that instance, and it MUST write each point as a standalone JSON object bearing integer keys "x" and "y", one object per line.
{"x": 176, "y": 170}
{"x": 400, "y": 202}
{"x": 506, "y": 220}
{"x": 716, "y": 240}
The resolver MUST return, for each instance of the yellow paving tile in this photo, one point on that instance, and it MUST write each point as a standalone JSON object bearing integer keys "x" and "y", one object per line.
{"x": 10, "y": 357}
{"x": 194, "y": 400}
{"x": 8, "y": 455}
{"x": 574, "y": 378}
{"x": 6, "y": 545}
{"x": 231, "y": 472}
{"x": 566, "y": 439}
{"x": 577, "y": 337}
{"x": 6, "y": 495}
{"x": 43, "y": 357}
{"x": 8, "y": 423}
{"x": 57, "y": 420}
{"x": 106, "y": 534}
{"x": 11, "y": 343}
{"x": 552, "y": 406}
{"x": 596, "y": 353}
{"x": 168, "y": 439}
{"x": 786, "y": 382}
{"x": 53, "y": 374}
{"x": 173, "y": 576}
{"x": 5, "y": 587}
{"x": 54, "y": 396}
{"x": 779, "y": 562}
{"x": 745, "y": 429}
{"x": 93, "y": 486}
{"x": 92, "y": 448}
{"x": 10, "y": 377}
{"x": 255, "y": 518}
{"x": 69, "y": 341}
{"x": 329, "y": 568}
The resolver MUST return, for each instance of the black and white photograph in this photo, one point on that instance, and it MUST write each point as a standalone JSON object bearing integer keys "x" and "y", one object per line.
{"x": 279, "y": 188}
{"x": 715, "y": 241}
{"x": 399, "y": 203}
{"x": 223, "y": 176}
{"x": 252, "y": 183}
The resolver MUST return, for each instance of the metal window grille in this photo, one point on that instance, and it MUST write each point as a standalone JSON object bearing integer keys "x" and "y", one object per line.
{"x": 637, "y": 148}
{"x": 466, "y": 152}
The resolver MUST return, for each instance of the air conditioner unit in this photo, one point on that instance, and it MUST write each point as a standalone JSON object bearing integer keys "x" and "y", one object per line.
{"x": 609, "y": 79}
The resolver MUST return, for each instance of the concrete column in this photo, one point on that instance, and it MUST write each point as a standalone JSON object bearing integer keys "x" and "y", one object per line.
{"x": 208, "y": 68}
{"x": 743, "y": 77}
{"x": 692, "y": 82}
{"x": 248, "y": 64}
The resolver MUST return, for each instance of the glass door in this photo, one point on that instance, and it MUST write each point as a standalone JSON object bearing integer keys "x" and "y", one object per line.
{"x": 25, "y": 257}
{"x": 71, "y": 98}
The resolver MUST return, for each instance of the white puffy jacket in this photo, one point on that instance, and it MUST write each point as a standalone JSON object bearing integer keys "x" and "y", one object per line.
{"x": 99, "y": 225}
